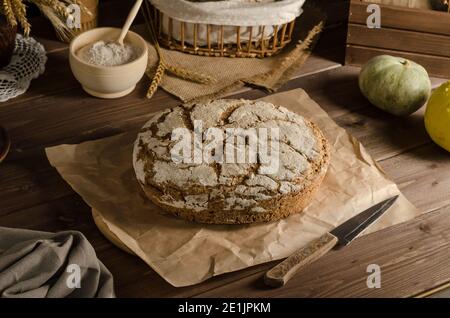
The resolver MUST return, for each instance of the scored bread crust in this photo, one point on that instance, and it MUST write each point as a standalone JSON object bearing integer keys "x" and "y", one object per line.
{"x": 219, "y": 198}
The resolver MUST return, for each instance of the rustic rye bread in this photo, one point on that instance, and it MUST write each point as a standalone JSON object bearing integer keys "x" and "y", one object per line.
{"x": 231, "y": 193}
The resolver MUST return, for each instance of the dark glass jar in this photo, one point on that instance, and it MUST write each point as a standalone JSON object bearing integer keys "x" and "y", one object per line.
{"x": 7, "y": 41}
{"x": 440, "y": 5}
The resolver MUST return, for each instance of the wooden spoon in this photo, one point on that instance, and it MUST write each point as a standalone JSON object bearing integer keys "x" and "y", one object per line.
{"x": 129, "y": 21}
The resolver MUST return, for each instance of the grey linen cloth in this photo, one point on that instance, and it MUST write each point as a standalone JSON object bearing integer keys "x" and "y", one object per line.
{"x": 54, "y": 265}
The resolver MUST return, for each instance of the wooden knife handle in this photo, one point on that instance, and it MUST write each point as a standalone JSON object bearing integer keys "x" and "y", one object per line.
{"x": 280, "y": 274}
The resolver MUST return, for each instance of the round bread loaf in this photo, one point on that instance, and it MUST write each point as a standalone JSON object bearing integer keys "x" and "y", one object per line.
{"x": 263, "y": 164}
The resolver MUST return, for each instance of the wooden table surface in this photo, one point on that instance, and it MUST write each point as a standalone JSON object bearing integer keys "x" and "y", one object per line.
{"x": 414, "y": 256}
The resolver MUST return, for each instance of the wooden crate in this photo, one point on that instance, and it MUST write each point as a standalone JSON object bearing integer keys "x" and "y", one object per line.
{"x": 420, "y": 35}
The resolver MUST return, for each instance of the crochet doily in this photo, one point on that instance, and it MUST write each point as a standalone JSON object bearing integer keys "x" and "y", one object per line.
{"x": 27, "y": 63}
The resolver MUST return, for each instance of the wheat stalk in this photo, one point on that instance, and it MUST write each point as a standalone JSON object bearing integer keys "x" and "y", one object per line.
{"x": 307, "y": 43}
{"x": 164, "y": 67}
{"x": 54, "y": 10}
{"x": 55, "y": 19}
{"x": 20, "y": 11}
{"x": 59, "y": 7}
{"x": 189, "y": 75}
{"x": 9, "y": 13}
{"x": 161, "y": 68}
{"x": 157, "y": 78}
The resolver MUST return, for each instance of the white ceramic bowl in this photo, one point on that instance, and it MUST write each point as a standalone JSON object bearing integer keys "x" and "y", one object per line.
{"x": 108, "y": 81}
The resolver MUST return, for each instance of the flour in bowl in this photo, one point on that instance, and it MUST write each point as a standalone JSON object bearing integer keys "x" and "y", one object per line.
{"x": 108, "y": 53}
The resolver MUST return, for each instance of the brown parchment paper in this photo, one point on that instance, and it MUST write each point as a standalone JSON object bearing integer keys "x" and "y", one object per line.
{"x": 185, "y": 253}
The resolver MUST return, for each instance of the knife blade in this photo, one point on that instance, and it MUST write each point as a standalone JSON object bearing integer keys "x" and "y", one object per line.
{"x": 341, "y": 236}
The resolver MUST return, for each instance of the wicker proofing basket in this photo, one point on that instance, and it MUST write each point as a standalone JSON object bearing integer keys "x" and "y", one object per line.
{"x": 210, "y": 39}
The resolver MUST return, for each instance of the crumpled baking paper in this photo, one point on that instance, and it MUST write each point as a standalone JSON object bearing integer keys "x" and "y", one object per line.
{"x": 185, "y": 253}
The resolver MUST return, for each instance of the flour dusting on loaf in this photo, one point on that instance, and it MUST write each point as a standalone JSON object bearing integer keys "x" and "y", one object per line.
{"x": 225, "y": 192}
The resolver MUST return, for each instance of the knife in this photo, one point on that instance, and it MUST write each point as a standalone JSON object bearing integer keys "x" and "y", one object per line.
{"x": 341, "y": 236}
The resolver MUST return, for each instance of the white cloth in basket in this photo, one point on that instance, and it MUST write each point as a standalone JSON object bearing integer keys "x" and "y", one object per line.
{"x": 229, "y": 13}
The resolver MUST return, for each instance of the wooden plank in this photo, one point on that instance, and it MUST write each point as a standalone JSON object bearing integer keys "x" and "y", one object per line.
{"x": 54, "y": 116}
{"x": 399, "y": 40}
{"x": 27, "y": 178}
{"x": 53, "y": 102}
{"x": 419, "y": 35}
{"x": 71, "y": 213}
{"x": 62, "y": 214}
{"x": 382, "y": 134}
{"x": 413, "y": 256}
{"x": 385, "y": 136}
{"x": 329, "y": 54}
{"x": 332, "y": 88}
{"x": 423, "y": 175}
{"x": 63, "y": 83}
{"x": 336, "y": 10}
{"x": 138, "y": 280}
{"x": 331, "y": 44}
{"x": 57, "y": 79}
{"x": 427, "y": 21}
{"x": 27, "y": 182}
{"x": 142, "y": 284}
{"x": 63, "y": 113}
{"x": 441, "y": 291}
{"x": 53, "y": 122}
{"x": 435, "y": 65}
